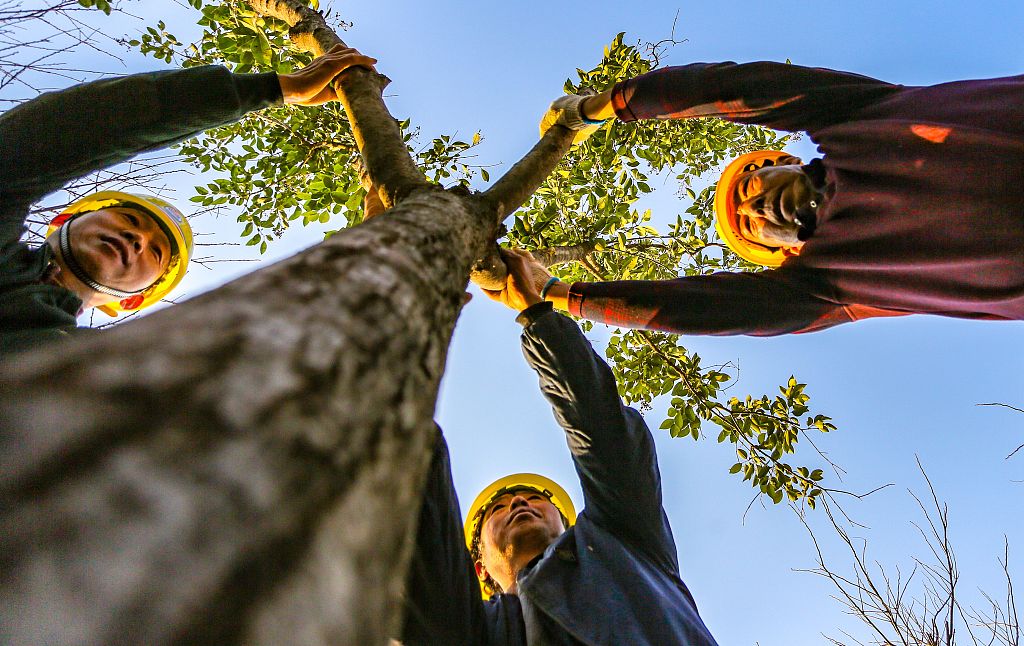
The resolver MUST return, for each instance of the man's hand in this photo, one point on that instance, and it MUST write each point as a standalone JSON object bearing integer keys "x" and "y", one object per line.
{"x": 568, "y": 111}
{"x": 525, "y": 279}
{"x": 312, "y": 85}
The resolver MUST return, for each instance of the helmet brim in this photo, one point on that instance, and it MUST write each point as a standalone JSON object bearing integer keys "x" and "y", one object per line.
{"x": 170, "y": 220}
{"x": 726, "y": 217}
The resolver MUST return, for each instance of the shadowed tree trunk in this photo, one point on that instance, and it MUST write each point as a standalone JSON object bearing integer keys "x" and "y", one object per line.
{"x": 245, "y": 467}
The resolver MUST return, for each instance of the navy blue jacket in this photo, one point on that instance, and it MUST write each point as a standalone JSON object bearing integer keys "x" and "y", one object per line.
{"x": 612, "y": 578}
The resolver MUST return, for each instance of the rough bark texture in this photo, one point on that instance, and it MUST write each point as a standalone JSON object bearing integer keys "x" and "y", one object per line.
{"x": 246, "y": 467}
{"x": 241, "y": 468}
{"x": 551, "y": 256}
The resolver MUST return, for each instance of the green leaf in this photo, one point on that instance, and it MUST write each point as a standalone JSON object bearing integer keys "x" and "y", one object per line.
{"x": 263, "y": 52}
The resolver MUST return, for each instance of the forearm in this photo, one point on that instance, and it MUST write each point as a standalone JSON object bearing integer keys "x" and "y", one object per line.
{"x": 598, "y": 107}
{"x": 578, "y": 384}
{"x": 782, "y": 96}
{"x": 63, "y": 135}
{"x": 609, "y": 442}
{"x": 758, "y": 304}
{"x": 558, "y": 296}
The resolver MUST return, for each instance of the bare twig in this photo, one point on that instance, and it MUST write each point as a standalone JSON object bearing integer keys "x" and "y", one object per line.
{"x": 922, "y": 607}
{"x": 1013, "y": 452}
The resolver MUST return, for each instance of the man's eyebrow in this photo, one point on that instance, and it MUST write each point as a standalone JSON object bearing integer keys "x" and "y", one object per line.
{"x": 744, "y": 182}
{"x": 742, "y": 186}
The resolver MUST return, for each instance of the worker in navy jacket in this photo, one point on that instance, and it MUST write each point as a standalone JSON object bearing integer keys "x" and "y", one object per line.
{"x": 607, "y": 576}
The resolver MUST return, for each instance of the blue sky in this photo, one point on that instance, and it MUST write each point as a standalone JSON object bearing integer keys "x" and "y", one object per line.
{"x": 896, "y": 388}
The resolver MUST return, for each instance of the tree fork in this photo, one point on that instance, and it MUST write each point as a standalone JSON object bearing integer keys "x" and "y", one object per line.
{"x": 246, "y": 467}
{"x": 386, "y": 160}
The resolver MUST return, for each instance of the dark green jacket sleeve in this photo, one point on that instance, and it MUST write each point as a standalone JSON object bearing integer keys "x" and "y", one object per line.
{"x": 60, "y": 136}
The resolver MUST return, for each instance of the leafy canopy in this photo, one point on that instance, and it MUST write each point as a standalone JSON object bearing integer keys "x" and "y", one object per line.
{"x": 283, "y": 165}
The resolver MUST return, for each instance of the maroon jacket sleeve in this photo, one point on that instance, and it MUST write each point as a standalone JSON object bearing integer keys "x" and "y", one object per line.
{"x": 777, "y": 95}
{"x": 765, "y": 303}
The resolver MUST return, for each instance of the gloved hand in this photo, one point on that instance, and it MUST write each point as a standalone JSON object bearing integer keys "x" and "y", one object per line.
{"x": 565, "y": 111}
{"x": 525, "y": 279}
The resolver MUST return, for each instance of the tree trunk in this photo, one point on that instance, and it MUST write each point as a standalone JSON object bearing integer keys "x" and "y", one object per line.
{"x": 243, "y": 467}
{"x": 246, "y": 467}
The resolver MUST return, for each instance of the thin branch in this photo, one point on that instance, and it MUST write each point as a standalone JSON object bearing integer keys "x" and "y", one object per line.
{"x": 1003, "y": 405}
{"x": 1013, "y": 452}
{"x": 550, "y": 256}
{"x": 522, "y": 180}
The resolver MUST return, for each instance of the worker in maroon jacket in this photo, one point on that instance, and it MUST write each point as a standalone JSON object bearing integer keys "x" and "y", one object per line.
{"x": 916, "y": 205}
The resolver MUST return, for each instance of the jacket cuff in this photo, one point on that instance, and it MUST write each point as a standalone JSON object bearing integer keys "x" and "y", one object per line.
{"x": 621, "y": 94}
{"x": 534, "y": 312}
{"x": 258, "y": 91}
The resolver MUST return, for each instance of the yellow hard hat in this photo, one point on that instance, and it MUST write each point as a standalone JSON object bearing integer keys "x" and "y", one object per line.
{"x": 558, "y": 497}
{"x": 170, "y": 220}
{"x": 726, "y": 221}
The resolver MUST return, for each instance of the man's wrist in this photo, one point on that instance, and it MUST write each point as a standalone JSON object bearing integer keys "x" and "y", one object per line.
{"x": 558, "y": 295}
{"x": 547, "y": 286}
{"x": 597, "y": 108}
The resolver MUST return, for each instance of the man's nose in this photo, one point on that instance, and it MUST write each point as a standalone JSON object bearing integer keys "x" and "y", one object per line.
{"x": 755, "y": 205}
{"x": 518, "y": 501}
{"x": 136, "y": 239}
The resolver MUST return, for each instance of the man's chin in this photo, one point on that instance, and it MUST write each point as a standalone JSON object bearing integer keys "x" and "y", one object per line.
{"x": 532, "y": 532}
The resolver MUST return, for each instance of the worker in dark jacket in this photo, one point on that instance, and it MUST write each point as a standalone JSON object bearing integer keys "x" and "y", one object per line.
{"x": 112, "y": 250}
{"x": 611, "y": 578}
{"x": 916, "y": 205}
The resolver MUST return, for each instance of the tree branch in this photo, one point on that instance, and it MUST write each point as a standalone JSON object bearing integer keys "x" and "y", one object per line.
{"x": 512, "y": 190}
{"x": 522, "y": 180}
{"x": 561, "y": 255}
{"x": 376, "y": 132}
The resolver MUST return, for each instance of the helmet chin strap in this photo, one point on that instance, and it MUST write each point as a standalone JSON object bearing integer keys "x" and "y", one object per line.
{"x": 64, "y": 240}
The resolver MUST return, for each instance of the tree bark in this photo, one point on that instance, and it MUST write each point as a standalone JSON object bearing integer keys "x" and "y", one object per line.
{"x": 246, "y": 467}
{"x": 243, "y": 467}
{"x": 550, "y": 256}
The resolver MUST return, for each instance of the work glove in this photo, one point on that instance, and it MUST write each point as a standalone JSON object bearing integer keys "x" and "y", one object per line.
{"x": 565, "y": 111}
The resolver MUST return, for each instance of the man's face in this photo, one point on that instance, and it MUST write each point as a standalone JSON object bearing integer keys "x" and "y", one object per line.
{"x": 518, "y": 521}
{"x": 120, "y": 248}
{"x": 768, "y": 200}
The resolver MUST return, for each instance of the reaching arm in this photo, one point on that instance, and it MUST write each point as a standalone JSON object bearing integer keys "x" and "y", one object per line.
{"x": 63, "y": 135}
{"x": 60, "y": 136}
{"x": 611, "y": 446}
{"x": 765, "y": 303}
{"x": 777, "y": 95}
